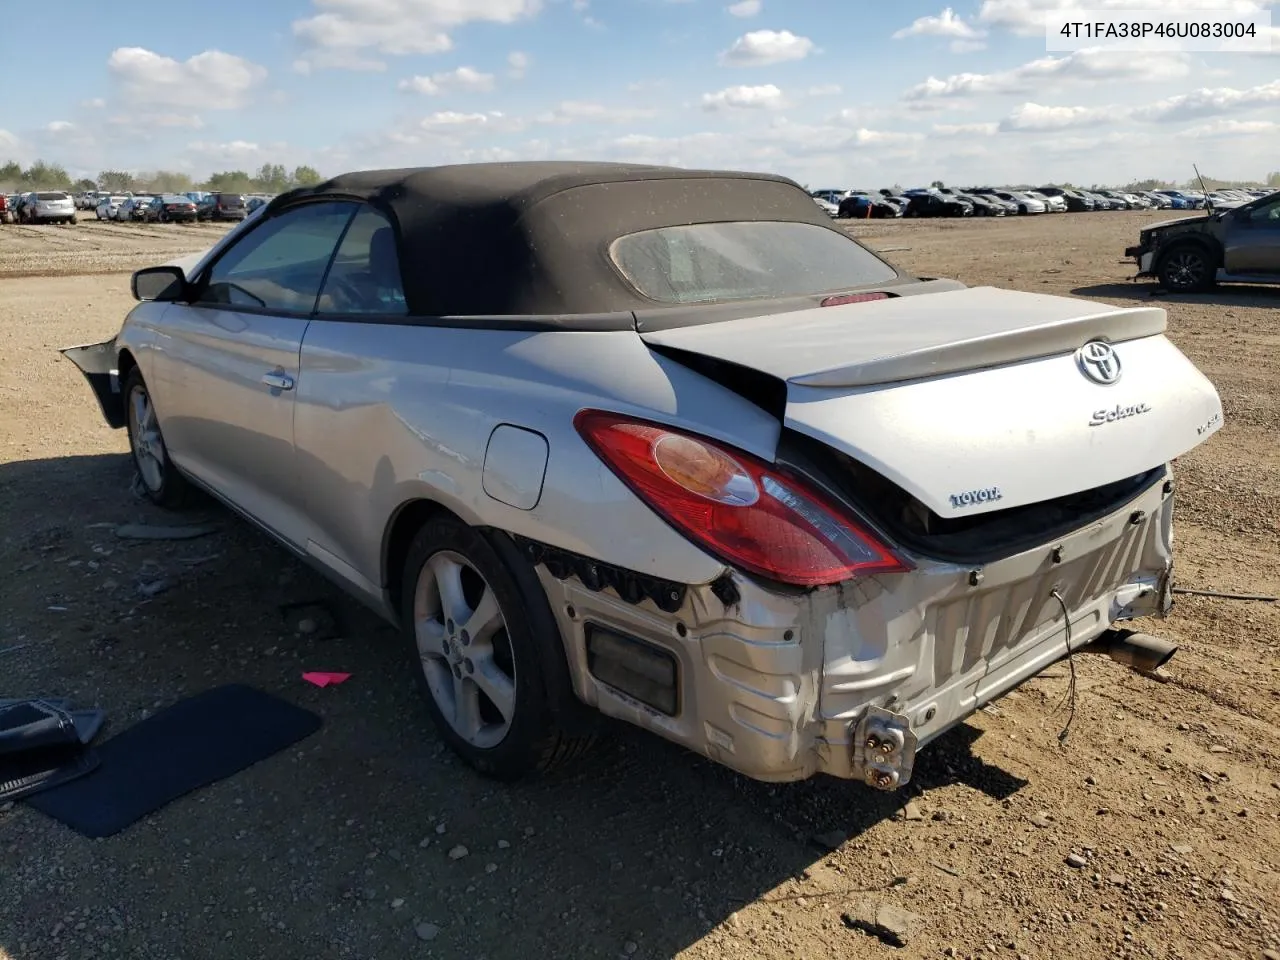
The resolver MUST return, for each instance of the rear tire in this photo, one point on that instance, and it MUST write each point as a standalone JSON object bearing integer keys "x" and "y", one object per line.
{"x": 163, "y": 484}
{"x": 1187, "y": 268}
{"x": 465, "y": 616}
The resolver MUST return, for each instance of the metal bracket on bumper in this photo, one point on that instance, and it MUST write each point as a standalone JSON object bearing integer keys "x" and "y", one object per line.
{"x": 884, "y": 749}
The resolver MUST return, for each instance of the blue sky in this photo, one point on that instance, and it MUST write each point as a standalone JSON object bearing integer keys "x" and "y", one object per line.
{"x": 831, "y": 92}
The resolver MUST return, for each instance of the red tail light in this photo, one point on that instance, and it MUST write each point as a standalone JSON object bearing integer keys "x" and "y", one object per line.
{"x": 738, "y": 508}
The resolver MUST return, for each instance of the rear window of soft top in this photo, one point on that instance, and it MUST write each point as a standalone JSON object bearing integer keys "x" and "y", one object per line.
{"x": 744, "y": 260}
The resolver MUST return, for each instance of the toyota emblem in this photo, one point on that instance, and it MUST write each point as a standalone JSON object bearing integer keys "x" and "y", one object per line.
{"x": 1098, "y": 361}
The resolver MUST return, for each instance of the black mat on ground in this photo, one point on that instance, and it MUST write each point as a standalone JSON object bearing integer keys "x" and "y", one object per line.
{"x": 186, "y": 746}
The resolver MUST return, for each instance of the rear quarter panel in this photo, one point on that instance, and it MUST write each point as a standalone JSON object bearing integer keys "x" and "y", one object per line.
{"x": 390, "y": 413}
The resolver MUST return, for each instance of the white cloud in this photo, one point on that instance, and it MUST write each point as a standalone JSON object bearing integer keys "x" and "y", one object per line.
{"x": 761, "y": 48}
{"x": 334, "y": 59}
{"x": 863, "y": 137}
{"x": 60, "y": 126}
{"x": 466, "y": 79}
{"x": 452, "y": 118}
{"x": 825, "y": 90}
{"x": 965, "y": 129}
{"x": 9, "y": 143}
{"x": 703, "y": 149}
{"x": 1208, "y": 102}
{"x": 190, "y": 120}
{"x": 946, "y": 24}
{"x": 740, "y": 97}
{"x": 97, "y": 103}
{"x": 967, "y": 46}
{"x": 580, "y": 111}
{"x": 1227, "y": 129}
{"x": 398, "y": 27}
{"x": 1079, "y": 66}
{"x": 212, "y": 80}
{"x": 232, "y": 152}
{"x": 517, "y": 64}
{"x": 423, "y": 85}
{"x": 745, "y": 8}
{"x": 1035, "y": 117}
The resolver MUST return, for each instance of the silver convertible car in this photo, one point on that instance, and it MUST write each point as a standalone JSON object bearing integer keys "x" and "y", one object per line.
{"x": 667, "y": 445}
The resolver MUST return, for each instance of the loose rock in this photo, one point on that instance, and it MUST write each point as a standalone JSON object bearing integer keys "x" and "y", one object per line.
{"x": 427, "y": 931}
{"x": 458, "y": 852}
{"x": 1077, "y": 861}
{"x": 884, "y": 921}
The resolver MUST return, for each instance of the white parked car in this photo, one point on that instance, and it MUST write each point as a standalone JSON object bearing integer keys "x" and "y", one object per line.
{"x": 1025, "y": 202}
{"x": 827, "y": 207}
{"x": 1053, "y": 204}
{"x": 109, "y": 206}
{"x": 54, "y": 206}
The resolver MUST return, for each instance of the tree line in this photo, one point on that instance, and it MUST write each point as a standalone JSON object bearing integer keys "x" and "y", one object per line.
{"x": 269, "y": 178}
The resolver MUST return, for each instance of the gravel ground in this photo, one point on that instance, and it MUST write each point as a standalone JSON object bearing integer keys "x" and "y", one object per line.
{"x": 1152, "y": 832}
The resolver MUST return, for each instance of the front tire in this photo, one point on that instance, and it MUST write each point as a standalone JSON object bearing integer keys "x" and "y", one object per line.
{"x": 1187, "y": 269}
{"x": 478, "y": 638}
{"x": 161, "y": 481}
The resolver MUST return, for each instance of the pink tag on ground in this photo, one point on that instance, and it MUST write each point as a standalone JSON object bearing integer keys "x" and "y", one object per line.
{"x": 322, "y": 678}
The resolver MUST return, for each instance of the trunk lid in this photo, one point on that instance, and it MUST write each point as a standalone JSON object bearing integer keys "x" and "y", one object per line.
{"x": 979, "y": 399}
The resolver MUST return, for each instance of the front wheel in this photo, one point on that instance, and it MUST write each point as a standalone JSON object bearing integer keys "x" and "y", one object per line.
{"x": 1187, "y": 269}
{"x": 161, "y": 481}
{"x": 478, "y": 638}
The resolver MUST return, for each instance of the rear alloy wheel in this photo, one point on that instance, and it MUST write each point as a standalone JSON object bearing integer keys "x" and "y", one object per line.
{"x": 1186, "y": 269}
{"x": 161, "y": 481}
{"x": 477, "y": 636}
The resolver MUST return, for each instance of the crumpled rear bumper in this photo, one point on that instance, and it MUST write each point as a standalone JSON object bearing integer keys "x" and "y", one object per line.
{"x": 849, "y": 680}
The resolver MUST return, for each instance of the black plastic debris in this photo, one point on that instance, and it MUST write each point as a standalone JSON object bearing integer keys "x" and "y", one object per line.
{"x": 43, "y": 744}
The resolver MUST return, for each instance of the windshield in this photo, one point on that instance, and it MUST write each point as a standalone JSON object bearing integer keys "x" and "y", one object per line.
{"x": 743, "y": 261}
{"x": 52, "y": 196}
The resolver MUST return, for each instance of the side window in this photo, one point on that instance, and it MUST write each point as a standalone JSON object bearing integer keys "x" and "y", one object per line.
{"x": 1266, "y": 215}
{"x": 365, "y": 276}
{"x": 279, "y": 264}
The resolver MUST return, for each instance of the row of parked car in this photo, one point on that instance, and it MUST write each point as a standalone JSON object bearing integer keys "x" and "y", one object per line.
{"x": 171, "y": 207}
{"x": 993, "y": 202}
{"x": 59, "y": 206}
{"x": 52, "y": 206}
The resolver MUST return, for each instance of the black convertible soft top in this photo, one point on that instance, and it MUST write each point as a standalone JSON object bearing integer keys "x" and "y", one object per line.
{"x": 532, "y": 238}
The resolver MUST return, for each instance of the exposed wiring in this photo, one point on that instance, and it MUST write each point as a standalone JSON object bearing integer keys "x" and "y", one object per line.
{"x": 1226, "y": 596}
{"x": 1071, "y": 662}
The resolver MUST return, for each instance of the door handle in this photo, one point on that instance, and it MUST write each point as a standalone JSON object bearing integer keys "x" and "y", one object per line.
{"x": 278, "y": 381}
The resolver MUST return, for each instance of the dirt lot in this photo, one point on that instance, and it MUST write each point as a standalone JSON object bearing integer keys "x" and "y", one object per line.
{"x": 340, "y": 848}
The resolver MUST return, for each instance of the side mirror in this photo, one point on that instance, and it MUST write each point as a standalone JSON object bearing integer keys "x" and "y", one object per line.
{"x": 159, "y": 283}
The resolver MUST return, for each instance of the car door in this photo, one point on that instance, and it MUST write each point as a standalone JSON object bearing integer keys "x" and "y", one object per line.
{"x": 225, "y": 369}
{"x": 1251, "y": 240}
{"x": 339, "y": 425}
